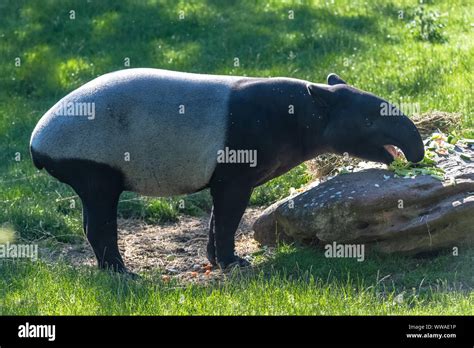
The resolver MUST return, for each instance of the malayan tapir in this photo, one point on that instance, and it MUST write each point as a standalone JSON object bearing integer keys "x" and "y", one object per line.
{"x": 164, "y": 133}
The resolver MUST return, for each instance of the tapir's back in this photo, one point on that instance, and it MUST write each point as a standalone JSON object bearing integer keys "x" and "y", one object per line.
{"x": 161, "y": 129}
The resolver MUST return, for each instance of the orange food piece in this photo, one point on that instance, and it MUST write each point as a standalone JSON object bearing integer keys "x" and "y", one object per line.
{"x": 194, "y": 274}
{"x": 208, "y": 272}
{"x": 208, "y": 267}
{"x": 165, "y": 278}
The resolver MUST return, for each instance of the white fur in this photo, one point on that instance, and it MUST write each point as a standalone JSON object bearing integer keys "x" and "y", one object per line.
{"x": 137, "y": 112}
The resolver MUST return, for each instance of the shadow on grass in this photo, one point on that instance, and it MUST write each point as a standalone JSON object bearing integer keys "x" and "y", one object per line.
{"x": 59, "y": 53}
{"x": 430, "y": 271}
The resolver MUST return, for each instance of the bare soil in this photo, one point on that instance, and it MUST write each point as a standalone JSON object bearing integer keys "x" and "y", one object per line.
{"x": 178, "y": 250}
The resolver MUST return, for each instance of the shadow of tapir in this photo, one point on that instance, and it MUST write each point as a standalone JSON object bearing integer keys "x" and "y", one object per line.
{"x": 165, "y": 133}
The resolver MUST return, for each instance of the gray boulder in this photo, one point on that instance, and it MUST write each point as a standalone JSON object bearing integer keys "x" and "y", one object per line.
{"x": 384, "y": 213}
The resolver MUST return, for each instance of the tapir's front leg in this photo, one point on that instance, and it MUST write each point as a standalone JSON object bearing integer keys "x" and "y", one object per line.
{"x": 230, "y": 201}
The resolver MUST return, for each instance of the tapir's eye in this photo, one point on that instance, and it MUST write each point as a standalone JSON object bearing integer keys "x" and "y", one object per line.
{"x": 368, "y": 122}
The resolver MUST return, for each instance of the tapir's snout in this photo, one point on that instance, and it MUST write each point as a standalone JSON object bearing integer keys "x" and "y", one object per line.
{"x": 401, "y": 132}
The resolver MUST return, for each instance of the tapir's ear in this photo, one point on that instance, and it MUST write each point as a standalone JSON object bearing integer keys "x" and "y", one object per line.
{"x": 333, "y": 79}
{"x": 322, "y": 94}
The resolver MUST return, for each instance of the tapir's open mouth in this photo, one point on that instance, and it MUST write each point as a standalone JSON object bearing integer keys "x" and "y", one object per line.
{"x": 400, "y": 137}
{"x": 394, "y": 151}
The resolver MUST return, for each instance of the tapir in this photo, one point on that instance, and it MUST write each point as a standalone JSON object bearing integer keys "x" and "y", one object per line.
{"x": 162, "y": 133}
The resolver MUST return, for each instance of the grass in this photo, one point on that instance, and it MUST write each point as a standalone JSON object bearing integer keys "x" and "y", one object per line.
{"x": 386, "y": 47}
{"x": 293, "y": 282}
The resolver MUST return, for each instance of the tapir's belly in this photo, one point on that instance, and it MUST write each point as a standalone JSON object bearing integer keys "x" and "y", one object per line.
{"x": 161, "y": 129}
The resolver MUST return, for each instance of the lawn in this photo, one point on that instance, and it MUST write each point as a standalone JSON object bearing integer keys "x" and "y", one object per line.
{"x": 294, "y": 282}
{"x": 49, "y": 48}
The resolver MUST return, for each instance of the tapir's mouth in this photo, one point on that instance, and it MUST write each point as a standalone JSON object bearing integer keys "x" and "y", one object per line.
{"x": 393, "y": 151}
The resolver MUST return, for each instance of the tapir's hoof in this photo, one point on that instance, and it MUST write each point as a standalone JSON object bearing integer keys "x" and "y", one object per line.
{"x": 125, "y": 272}
{"x": 122, "y": 270}
{"x": 212, "y": 259}
{"x": 235, "y": 262}
{"x": 132, "y": 275}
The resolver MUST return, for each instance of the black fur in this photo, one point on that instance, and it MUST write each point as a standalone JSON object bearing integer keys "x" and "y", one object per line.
{"x": 259, "y": 119}
{"x": 99, "y": 187}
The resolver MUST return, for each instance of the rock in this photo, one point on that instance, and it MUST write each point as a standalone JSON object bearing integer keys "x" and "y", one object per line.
{"x": 385, "y": 213}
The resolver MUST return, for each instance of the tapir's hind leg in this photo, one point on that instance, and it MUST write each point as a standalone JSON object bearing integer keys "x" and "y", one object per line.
{"x": 230, "y": 201}
{"x": 101, "y": 226}
{"x": 99, "y": 187}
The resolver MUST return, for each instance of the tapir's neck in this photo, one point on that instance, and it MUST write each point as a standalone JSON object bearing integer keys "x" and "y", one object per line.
{"x": 308, "y": 120}
{"x": 279, "y": 118}
{"x": 312, "y": 123}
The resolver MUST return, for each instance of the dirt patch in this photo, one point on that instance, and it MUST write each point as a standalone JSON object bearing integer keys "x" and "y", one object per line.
{"x": 178, "y": 250}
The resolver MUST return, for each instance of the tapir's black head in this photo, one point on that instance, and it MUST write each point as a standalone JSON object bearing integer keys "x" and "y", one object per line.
{"x": 357, "y": 125}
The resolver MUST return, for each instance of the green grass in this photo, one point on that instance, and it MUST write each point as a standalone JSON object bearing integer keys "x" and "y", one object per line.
{"x": 293, "y": 282}
{"x": 366, "y": 43}
{"x": 363, "y": 41}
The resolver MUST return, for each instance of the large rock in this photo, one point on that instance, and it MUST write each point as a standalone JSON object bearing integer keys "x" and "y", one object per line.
{"x": 385, "y": 213}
